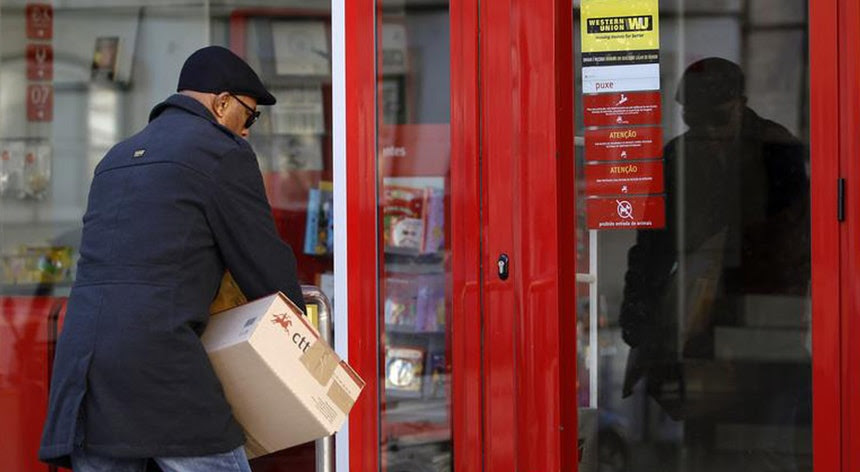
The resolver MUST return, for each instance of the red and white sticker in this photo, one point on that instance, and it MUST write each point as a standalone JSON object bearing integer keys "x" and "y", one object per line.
{"x": 624, "y": 178}
{"x": 626, "y": 212}
{"x": 40, "y": 21}
{"x": 622, "y": 109}
{"x": 40, "y": 62}
{"x": 40, "y": 102}
{"x": 620, "y": 144}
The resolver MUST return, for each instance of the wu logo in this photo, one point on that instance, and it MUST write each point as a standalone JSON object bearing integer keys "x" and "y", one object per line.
{"x": 642, "y": 23}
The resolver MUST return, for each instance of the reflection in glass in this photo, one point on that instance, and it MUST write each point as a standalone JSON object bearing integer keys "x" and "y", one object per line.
{"x": 111, "y": 62}
{"x": 702, "y": 346}
{"x": 413, "y": 182}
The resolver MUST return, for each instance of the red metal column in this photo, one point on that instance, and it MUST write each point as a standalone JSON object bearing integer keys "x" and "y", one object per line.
{"x": 849, "y": 149}
{"x": 466, "y": 389}
{"x": 361, "y": 223}
{"x": 499, "y": 141}
{"x": 566, "y": 217}
{"x": 526, "y": 69}
{"x": 824, "y": 152}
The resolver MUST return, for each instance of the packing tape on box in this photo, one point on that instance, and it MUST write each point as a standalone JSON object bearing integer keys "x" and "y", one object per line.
{"x": 320, "y": 362}
{"x": 340, "y": 398}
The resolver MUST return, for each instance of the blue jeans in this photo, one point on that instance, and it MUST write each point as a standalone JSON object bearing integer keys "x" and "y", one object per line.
{"x": 233, "y": 461}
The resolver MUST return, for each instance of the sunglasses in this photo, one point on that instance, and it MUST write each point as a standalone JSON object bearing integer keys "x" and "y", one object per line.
{"x": 254, "y": 113}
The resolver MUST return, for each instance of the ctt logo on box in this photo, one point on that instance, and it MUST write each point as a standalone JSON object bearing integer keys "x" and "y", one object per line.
{"x": 298, "y": 339}
{"x": 620, "y": 24}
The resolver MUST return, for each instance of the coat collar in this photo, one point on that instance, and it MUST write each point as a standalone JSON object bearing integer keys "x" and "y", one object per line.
{"x": 182, "y": 102}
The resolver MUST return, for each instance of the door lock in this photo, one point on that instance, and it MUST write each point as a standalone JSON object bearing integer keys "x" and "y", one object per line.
{"x": 503, "y": 263}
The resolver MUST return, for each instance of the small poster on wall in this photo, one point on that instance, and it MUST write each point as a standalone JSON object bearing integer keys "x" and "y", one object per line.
{"x": 296, "y": 152}
{"x": 301, "y": 48}
{"x": 395, "y": 54}
{"x": 299, "y": 111}
{"x": 104, "y": 58}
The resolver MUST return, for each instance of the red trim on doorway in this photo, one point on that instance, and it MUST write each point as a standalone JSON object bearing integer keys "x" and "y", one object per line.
{"x": 466, "y": 319}
{"x": 566, "y": 217}
{"x": 526, "y": 131}
{"x": 849, "y": 150}
{"x": 824, "y": 152}
{"x": 500, "y": 217}
{"x": 537, "y": 120}
{"x": 361, "y": 242}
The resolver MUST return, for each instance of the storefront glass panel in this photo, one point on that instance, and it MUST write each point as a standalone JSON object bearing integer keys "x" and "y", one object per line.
{"x": 693, "y": 235}
{"x": 413, "y": 188}
{"x": 78, "y": 76}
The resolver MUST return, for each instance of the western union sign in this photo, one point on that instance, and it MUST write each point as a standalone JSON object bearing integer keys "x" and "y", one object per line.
{"x": 620, "y": 45}
{"x": 620, "y": 23}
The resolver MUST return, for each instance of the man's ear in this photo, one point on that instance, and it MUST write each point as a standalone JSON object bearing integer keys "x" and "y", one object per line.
{"x": 219, "y": 104}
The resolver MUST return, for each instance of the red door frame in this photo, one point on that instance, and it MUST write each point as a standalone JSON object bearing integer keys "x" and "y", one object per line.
{"x": 847, "y": 146}
{"x": 824, "y": 151}
{"x": 467, "y": 391}
{"x": 360, "y": 50}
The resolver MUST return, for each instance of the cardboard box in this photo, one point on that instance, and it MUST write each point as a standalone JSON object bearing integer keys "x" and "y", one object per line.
{"x": 285, "y": 384}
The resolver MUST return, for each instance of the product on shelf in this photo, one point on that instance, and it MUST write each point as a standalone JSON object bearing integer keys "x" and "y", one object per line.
{"x": 37, "y": 264}
{"x": 415, "y": 302}
{"x": 404, "y": 369}
{"x": 25, "y": 168}
{"x": 319, "y": 229}
{"x": 438, "y": 368}
{"x": 413, "y": 219}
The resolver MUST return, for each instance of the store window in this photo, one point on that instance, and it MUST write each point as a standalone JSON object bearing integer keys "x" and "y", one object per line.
{"x": 694, "y": 251}
{"x": 413, "y": 184}
{"x": 78, "y": 76}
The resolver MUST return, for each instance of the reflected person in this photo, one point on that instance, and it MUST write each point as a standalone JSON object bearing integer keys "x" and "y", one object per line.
{"x": 737, "y": 229}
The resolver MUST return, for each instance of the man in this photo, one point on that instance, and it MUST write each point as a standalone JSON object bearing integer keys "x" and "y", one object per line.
{"x": 169, "y": 210}
{"x": 737, "y": 224}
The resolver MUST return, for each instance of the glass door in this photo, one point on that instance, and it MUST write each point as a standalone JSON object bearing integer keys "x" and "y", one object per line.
{"x": 78, "y": 77}
{"x": 414, "y": 245}
{"x": 693, "y": 209}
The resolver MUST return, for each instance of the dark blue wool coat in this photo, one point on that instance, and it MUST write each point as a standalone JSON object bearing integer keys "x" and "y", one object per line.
{"x": 169, "y": 210}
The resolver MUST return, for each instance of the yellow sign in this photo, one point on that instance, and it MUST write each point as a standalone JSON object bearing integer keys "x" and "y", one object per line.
{"x": 620, "y": 25}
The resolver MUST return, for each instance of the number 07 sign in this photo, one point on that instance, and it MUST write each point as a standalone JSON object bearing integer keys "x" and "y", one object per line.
{"x": 40, "y": 102}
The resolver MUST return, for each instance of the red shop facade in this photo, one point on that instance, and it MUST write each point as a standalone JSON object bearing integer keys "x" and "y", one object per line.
{"x": 555, "y": 246}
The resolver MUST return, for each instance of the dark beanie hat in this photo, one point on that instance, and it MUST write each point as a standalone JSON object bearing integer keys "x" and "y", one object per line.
{"x": 215, "y": 69}
{"x": 711, "y": 81}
